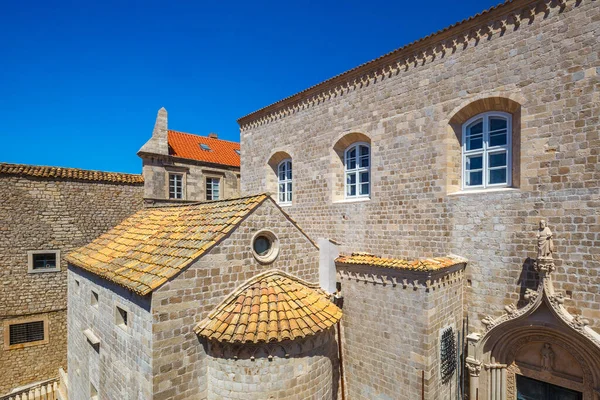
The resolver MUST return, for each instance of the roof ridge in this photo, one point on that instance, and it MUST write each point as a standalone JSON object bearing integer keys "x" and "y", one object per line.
{"x": 204, "y": 137}
{"x": 215, "y": 202}
{"x": 3, "y": 163}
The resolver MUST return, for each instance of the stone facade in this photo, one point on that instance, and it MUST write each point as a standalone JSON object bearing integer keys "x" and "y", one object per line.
{"x": 159, "y": 160}
{"x": 178, "y": 359}
{"x": 537, "y": 61}
{"x": 45, "y": 213}
{"x": 292, "y": 370}
{"x": 391, "y": 330}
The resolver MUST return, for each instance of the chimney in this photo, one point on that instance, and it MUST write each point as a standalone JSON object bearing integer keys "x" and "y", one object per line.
{"x": 213, "y": 135}
{"x": 159, "y": 142}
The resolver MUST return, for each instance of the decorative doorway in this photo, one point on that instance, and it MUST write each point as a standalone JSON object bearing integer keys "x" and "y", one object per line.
{"x": 532, "y": 389}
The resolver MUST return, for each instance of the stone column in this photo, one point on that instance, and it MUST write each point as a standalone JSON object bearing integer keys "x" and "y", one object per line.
{"x": 497, "y": 386}
{"x": 474, "y": 368}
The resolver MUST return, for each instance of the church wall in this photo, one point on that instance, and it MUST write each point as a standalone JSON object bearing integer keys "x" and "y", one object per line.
{"x": 179, "y": 358}
{"x": 120, "y": 366}
{"x": 48, "y": 214}
{"x": 549, "y": 66}
{"x": 391, "y": 330}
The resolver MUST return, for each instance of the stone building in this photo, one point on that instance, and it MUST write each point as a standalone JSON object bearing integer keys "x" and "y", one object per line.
{"x": 181, "y": 167}
{"x": 140, "y": 296}
{"x": 458, "y": 143}
{"x": 45, "y": 212}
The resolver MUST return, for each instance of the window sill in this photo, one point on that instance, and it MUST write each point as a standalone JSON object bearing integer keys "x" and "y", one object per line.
{"x": 284, "y": 205}
{"x": 359, "y": 200}
{"x": 481, "y": 191}
{"x": 43, "y": 271}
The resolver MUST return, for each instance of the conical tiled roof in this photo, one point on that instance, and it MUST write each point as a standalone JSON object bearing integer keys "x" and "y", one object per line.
{"x": 271, "y": 307}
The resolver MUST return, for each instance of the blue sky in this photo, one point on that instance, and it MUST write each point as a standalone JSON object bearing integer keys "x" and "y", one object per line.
{"x": 81, "y": 81}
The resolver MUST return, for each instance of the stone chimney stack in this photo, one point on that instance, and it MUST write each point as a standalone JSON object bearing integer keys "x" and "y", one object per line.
{"x": 159, "y": 142}
{"x": 213, "y": 135}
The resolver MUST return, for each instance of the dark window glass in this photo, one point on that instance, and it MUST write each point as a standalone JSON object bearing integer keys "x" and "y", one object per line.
{"x": 27, "y": 332}
{"x": 262, "y": 245}
{"x": 44, "y": 260}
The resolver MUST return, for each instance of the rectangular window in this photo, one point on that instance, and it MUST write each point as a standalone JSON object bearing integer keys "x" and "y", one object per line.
{"x": 213, "y": 189}
{"x": 121, "y": 318}
{"x": 94, "y": 299}
{"x": 43, "y": 261}
{"x": 26, "y": 332}
{"x": 175, "y": 186}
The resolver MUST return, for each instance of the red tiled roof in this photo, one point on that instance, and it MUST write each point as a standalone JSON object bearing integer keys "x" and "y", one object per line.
{"x": 41, "y": 171}
{"x": 186, "y": 145}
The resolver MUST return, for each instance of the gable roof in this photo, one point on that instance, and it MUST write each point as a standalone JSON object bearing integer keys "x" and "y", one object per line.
{"x": 41, "y": 171}
{"x": 187, "y": 145}
{"x": 426, "y": 264}
{"x": 155, "y": 244}
{"x": 271, "y": 307}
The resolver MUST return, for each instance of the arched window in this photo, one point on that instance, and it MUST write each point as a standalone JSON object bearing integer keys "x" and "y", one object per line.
{"x": 357, "y": 165}
{"x": 284, "y": 180}
{"x": 486, "y": 151}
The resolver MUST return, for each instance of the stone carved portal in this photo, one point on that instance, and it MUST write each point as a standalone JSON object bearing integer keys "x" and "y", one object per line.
{"x": 540, "y": 341}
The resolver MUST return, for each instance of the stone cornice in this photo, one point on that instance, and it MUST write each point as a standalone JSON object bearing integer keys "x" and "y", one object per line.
{"x": 494, "y": 21}
{"x": 415, "y": 280}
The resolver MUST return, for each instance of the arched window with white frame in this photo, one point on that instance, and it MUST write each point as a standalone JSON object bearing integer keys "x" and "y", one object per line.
{"x": 284, "y": 181}
{"x": 486, "y": 151}
{"x": 357, "y": 168}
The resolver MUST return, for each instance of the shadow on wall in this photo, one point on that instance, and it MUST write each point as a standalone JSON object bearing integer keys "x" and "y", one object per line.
{"x": 528, "y": 279}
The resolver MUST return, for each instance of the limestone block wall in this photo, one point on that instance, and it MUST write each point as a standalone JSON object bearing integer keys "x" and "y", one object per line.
{"x": 547, "y": 64}
{"x": 179, "y": 359}
{"x": 48, "y": 214}
{"x": 302, "y": 369}
{"x": 391, "y": 331}
{"x": 156, "y": 170}
{"x": 120, "y": 366}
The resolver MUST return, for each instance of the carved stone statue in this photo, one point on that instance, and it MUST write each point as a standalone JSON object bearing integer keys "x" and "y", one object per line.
{"x": 544, "y": 238}
{"x": 547, "y": 355}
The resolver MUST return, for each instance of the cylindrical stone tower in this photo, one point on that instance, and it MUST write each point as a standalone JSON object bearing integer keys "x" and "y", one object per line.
{"x": 273, "y": 338}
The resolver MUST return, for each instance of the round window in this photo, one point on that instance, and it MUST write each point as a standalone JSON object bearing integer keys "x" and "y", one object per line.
{"x": 265, "y": 246}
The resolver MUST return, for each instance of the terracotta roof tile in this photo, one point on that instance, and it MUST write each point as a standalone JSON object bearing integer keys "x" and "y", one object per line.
{"x": 426, "y": 264}
{"x": 284, "y": 307}
{"x": 187, "y": 145}
{"x": 154, "y": 244}
{"x": 40, "y": 171}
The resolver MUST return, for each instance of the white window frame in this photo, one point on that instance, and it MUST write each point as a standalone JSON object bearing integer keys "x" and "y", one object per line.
{"x": 486, "y": 150}
{"x": 288, "y": 195}
{"x": 181, "y": 188}
{"x": 357, "y": 171}
{"x": 212, "y": 185}
{"x": 30, "y": 266}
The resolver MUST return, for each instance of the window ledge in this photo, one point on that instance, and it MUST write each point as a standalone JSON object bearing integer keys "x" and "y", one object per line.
{"x": 284, "y": 205}
{"x": 480, "y": 191}
{"x": 359, "y": 200}
{"x": 43, "y": 271}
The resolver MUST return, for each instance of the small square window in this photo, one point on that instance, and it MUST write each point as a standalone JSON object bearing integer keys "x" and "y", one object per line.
{"x": 94, "y": 299}
{"x": 121, "y": 318}
{"x": 237, "y": 152}
{"x": 43, "y": 261}
{"x": 204, "y": 147}
{"x": 77, "y": 286}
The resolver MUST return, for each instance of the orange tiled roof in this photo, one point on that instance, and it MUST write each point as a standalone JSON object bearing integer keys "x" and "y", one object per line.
{"x": 271, "y": 307}
{"x": 186, "y": 145}
{"x": 40, "y": 171}
{"x": 155, "y": 244}
{"x": 427, "y": 264}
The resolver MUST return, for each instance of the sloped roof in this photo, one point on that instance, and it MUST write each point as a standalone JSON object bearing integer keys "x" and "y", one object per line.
{"x": 40, "y": 171}
{"x": 426, "y": 264}
{"x": 187, "y": 145}
{"x": 155, "y": 244}
{"x": 271, "y": 307}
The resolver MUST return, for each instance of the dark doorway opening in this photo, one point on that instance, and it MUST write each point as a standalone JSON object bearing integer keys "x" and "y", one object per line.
{"x": 531, "y": 389}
